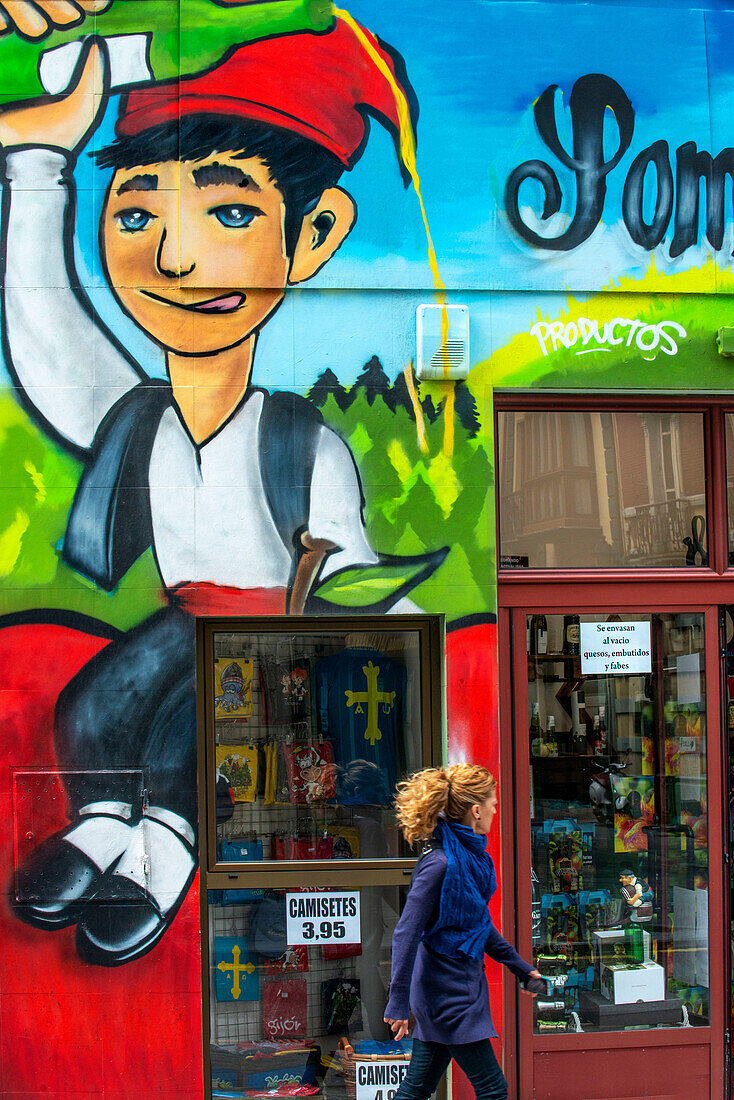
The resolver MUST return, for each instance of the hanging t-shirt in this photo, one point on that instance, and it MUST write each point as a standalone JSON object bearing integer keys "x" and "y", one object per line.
{"x": 310, "y": 771}
{"x": 341, "y": 1005}
{"x": 241, "y": 851}
{"x": 346, "y": 841}
{"x": 233, "y": 687}
{"x": 284, "y": 1009}
{"x": 277, "y": 791}
{"x": 288, "y": 691}
{"x": 360, "y": 699}
{"x": 293, "y": 960}
{"x": 239, "y": 764}
{"x": 235, "y": 970}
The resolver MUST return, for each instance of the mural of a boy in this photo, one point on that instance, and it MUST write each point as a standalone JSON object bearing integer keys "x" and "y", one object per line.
{"x": 224, "y": 193}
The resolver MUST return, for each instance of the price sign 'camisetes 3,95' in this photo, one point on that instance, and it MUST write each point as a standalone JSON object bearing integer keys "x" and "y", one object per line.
{"x": 331, "y": 916}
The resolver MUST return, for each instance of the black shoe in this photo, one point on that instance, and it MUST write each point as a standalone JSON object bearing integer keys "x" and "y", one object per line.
{"x": 126, "y": 919}
{"x": 54, "y": 884}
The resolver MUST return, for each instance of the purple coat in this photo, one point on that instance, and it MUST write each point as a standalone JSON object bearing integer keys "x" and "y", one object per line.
{"x": 449, "y": 997}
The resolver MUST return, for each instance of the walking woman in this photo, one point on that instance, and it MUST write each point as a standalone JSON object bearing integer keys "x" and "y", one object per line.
{"x": 445, "y": 930}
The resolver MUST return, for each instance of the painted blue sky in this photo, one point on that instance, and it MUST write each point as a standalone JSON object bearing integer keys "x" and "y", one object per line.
{"x": 477, "y": 66}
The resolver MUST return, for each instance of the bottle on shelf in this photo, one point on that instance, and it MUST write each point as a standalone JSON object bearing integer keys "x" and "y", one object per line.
{"x": 579, "y": 740}
{"x": 579, "y": 744}
{"x": 537, "y": 744}
{"x": 551, "y": 737}
{"x": 542, "y": 635}
{"x": 536, "y": 919}
{"x": 599, "y": 736}
{"x": 571, "y": 635}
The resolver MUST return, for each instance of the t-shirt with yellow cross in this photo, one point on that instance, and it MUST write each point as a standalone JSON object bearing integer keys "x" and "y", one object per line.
{"x": 360, "y": 698}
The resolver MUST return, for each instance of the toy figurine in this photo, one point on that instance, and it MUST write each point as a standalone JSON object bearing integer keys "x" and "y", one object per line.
{"x": 638, "y": 896}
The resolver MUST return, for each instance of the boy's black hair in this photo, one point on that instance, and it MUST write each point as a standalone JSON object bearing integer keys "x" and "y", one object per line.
{"x": 300, "y": 169}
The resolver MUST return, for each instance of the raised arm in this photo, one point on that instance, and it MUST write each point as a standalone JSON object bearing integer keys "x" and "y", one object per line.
{"x": 71, "y": 369}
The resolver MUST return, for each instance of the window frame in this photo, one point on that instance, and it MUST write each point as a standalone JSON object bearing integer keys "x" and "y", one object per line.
{"x": 218, "y": 874}
{"x": 713, "y": 409}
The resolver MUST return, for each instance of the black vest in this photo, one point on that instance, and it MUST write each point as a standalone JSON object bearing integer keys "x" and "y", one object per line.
{"x": 110, "y": 523}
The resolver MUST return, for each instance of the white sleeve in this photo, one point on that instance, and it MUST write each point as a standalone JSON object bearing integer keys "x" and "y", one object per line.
{"x": 69, "y": 366}
{"x": 336, "y": 505}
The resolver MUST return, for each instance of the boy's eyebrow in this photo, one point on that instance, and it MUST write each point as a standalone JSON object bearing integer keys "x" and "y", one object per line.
{"x": 215, "y": 174}
{"x": 139, "y": 183}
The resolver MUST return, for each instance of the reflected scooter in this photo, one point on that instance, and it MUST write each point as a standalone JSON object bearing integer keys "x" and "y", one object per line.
{"x": 604, "y": 803}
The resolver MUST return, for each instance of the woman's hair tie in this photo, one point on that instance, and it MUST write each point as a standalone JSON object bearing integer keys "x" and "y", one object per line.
{"x": 449, "y": 782}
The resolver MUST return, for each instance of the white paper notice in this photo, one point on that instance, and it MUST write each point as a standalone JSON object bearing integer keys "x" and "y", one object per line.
{"x": 615, "y": 649}
{"x": 379, "y": 1080}
{"x": 684, "y": 954}
{"x": 331, "y": 916}
{"x": 688, "y": 668}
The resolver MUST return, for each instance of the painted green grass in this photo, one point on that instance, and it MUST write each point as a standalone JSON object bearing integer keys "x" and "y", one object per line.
{"x": 416, "y": 502}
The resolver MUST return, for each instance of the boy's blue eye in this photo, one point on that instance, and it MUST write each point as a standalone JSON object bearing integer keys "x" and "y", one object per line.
{"x": 134, "y": 220}
{"x": 235, "y": 216}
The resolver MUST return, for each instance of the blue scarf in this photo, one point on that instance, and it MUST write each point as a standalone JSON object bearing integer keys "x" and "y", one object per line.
{"x": 463, "y": 918}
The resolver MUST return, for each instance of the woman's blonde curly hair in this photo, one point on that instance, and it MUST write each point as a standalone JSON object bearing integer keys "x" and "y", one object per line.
{"x": 451, "y": 791}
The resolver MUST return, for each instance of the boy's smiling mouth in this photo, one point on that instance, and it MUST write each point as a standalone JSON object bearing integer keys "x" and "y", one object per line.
{"x": 224, "y": 303}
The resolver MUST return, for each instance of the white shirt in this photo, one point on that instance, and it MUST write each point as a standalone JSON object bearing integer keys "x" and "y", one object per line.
{"x": 211, "y": 521}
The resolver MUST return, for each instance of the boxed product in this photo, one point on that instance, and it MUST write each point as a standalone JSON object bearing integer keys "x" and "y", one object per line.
{"x": 625, "y": 984}
{"x": 610, "y": 948}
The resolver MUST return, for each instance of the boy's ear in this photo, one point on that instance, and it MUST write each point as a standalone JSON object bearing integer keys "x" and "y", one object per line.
{"x": 322, "y": 231}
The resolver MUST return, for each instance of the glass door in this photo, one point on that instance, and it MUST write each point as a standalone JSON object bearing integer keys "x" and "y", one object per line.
{"x": 612, "y": 742}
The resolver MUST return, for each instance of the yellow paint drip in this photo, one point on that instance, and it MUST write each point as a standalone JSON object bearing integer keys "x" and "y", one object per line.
{"x": 420, "y": 422}
{"x": 408, "y": 157}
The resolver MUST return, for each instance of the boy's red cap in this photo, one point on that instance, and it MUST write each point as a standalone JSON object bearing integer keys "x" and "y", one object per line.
{"x": 321, "y": 86}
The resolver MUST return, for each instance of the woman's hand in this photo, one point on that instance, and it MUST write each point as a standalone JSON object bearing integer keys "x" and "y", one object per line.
{"x": 64, "y": 122}
{"x": 533, "y": 974}
{"x": 37, "y": 18}
{"x": 399, "y": 1028}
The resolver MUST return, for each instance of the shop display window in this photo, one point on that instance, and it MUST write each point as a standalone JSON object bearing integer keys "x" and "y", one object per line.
{"x": 294, "y": 1010}
{"x": 309, "y": 730}
{"x": 306, "y": 727}
{"x": 617, "y": 750}
{"x": 601, "y": 489}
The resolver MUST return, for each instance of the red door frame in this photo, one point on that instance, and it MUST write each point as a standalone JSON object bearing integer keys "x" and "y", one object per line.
{"x": 702, "y": 589}
{"x": 514, "y": 786}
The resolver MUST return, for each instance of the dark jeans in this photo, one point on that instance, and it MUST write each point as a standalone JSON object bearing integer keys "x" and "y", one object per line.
{"x": 430, "y": 1061}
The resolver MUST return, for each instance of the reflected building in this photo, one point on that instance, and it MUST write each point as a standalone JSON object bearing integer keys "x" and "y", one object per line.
{"x": 602, "y": 489}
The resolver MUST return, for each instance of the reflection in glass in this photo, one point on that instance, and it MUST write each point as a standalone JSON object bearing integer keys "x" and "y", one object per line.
{"x": 312, "y": 732}
{"x": 297, "y": 1019}
{"x": 601, "y": 489}
{"x": 619, "y": 827}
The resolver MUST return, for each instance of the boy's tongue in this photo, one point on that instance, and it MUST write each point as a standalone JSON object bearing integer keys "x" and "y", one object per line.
{"x": 219, "y": 305}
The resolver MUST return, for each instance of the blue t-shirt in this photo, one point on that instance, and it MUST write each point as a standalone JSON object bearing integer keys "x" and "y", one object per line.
{"x": 360, "y": 698}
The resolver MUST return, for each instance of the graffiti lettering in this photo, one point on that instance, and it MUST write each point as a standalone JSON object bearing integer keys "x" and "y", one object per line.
{"x": 591, "y": 97}
{"x": 620, "y": 330}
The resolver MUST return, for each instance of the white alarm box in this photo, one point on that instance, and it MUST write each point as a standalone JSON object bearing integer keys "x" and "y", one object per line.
{"x": 625, "y": 985}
